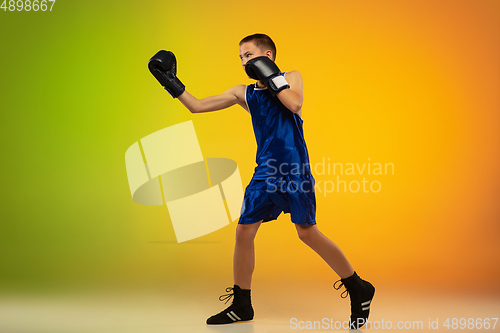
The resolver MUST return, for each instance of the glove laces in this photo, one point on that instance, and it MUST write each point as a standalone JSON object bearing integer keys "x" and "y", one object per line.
{"x": 346, "y": 292}
{"x": 227, "y": 297}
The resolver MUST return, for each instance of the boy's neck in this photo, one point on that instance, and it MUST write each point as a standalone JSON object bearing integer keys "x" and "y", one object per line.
{"x": 260, "y": 84}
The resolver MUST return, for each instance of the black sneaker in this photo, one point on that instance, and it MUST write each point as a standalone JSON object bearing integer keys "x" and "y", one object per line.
{"x": 361, "y": 293}
{"x": 240, "y": 310}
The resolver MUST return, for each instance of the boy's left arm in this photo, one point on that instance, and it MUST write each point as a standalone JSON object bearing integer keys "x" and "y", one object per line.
{"x": 288, "y": 90}
{"x": 292, "y": 98}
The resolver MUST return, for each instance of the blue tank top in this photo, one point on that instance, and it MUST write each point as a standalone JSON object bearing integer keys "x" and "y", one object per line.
{"x": 281, "y": 148}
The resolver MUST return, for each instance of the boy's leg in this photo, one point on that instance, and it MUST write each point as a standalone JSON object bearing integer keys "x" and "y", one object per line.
{"x": 360, "y": 291}
{"x": 244, "y": 254}
{"x": 244, "y": 262}
{"x": 327, "y": 249}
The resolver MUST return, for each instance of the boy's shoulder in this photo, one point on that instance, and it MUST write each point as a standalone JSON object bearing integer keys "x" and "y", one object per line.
{"x": 239, "y": 92}
{"x": 294, "y": 73}
{"x": 294, "y": 79}
{"x": 238, "y": 89}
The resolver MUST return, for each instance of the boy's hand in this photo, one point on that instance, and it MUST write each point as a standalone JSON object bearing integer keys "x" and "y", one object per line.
{"x": 264, "y": 69}
{"x": 164, "y": 68}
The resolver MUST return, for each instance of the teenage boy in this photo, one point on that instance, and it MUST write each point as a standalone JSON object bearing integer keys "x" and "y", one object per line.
{"x": 282, "y": 181}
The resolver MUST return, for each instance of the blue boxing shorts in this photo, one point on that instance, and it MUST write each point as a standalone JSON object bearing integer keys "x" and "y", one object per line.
{"x": 265, "y": 199}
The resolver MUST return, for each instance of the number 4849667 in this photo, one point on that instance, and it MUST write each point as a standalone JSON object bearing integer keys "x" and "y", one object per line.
{"x": 27, "y": 5}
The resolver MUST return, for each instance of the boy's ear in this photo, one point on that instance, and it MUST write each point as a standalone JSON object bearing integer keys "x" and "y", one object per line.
{"x": 269, "y": 54}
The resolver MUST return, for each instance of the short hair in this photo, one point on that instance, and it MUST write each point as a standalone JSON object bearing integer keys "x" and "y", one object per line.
{"x": 262, "y": 41}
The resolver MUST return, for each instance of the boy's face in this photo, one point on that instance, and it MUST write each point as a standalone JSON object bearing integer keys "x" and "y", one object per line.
{"x": 249, "y": 50}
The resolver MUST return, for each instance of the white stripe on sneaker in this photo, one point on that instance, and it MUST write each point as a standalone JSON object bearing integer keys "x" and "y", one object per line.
{"x": 366, "y": 307}
{"x": 229, "y": 315}
{"x": 366, "y": 303}
{"x": 234, "y": 314}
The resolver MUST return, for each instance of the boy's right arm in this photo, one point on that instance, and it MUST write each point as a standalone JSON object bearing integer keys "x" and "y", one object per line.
{"x": 232, "y": 96}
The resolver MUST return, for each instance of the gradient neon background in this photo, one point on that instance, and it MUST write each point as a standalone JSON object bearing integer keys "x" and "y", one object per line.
{"x": 413, "y": 83}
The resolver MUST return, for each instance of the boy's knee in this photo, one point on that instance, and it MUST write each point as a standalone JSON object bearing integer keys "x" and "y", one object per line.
{"x": 305, "y": 233}
{"x": 241, "y": 234}
{"x": 245, "y": 232}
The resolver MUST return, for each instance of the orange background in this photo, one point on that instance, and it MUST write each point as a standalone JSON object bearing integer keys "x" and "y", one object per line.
{"x": 413, "y": 83}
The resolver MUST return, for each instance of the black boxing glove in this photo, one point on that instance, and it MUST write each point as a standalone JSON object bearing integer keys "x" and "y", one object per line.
{"x": 264, "y": 69}
{"x": 163, "y": 66}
